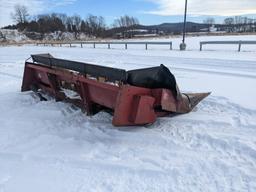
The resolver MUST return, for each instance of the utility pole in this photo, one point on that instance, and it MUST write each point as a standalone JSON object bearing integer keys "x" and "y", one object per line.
{"x": 183, "y": 44}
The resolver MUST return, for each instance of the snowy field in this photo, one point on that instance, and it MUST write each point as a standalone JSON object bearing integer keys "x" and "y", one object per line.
{"x": 54, "y": 147}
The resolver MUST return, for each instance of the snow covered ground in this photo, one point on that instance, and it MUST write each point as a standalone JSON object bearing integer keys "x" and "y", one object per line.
{"x": 54, "y": 147}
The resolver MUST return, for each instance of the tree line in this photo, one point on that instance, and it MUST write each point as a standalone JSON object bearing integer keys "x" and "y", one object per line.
{"x": 234, "y": 24}
{"x": 240, "y": 24}
{"x": 91, "y": 25}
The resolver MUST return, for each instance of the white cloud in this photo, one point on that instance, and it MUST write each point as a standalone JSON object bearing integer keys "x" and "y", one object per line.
{"x": 204, "y": 7}
{"x": 34, "y": 7}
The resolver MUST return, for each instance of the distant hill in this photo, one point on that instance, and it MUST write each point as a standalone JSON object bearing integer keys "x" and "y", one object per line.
{"x": 174, "y": 27}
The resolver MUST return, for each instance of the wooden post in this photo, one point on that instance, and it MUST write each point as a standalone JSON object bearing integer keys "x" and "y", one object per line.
{"x": 94, "y": 45}
{"x": 109, "y": 46}
{"x": 125, "y": 45}
{"x": 146, "y": 46}
{"x": 170, "y": 45}
{"x": 81, "y": 45}
{"x": 201, "y": 46}
{"x": 70, "y": 45}
{"x": 239, "y": 47}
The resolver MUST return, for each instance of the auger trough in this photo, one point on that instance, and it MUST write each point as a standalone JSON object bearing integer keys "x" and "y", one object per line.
{"x": 135, "y": 97}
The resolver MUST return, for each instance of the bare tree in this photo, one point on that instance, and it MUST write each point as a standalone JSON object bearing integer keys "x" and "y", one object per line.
{"x": 127, "y": 24}
{"x": 69, "y": 24}
{"x": 63, "y": 17}
{"x": 49, "y": 23}
{"x": 229, "y": 21}
{"x": 77, "y": 22}
{"x": 83, "y": 26}
{"x": 239, "y": 24}
{"x": 96, "y": 25}
{"x": 209, "y": 21}
{"x": 238, "y": 19}
{"x": 20, "y": 14}
{"x": 251, "y": 24}
{"x": 126, "y": 21}
{"x": 101, "y": 27}
{"x": 92, "y": 23}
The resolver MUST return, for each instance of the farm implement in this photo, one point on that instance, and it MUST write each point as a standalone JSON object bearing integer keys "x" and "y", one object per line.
{"x": 135, "y": 97}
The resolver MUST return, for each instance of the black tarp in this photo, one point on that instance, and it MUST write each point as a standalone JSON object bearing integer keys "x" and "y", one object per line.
{"x": 155, "y": 77}
{"x": 111, "y": 74}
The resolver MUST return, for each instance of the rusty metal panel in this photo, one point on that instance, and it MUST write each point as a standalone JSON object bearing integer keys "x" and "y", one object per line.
{"x": 131, "y": 105}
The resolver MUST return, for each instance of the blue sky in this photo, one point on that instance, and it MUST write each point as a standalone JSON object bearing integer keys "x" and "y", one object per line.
{"x": 111, "y": 9}
{"x": 147, "y": 11}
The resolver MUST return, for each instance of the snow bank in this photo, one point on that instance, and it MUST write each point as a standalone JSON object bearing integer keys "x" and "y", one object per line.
{"x": 16, "y": 36}
{"x": 12, "y": 36}
{"x": 65, "y": 36}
